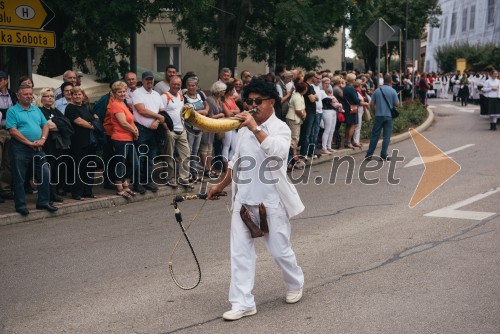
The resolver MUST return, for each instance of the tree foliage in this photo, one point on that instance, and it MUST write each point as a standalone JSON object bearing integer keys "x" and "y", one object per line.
{"x": 364, "y": 13}
{"x": 479, "y": 57}
{"x": 97, "y": 32}
{"x": 283, "y": 31}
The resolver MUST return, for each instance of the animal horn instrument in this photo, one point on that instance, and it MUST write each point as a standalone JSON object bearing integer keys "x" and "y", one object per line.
{"x": 208, "y": 124}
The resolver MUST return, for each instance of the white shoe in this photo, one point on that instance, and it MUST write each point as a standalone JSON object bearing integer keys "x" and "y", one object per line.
{"x": 293, "y": 296}
{"x": 238, "y": 314}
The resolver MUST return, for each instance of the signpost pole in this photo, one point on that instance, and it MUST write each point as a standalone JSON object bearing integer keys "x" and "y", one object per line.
{"x": 413, "y": 71}
{"x": 30, "y": 64}
{"x": 378, "y": 46}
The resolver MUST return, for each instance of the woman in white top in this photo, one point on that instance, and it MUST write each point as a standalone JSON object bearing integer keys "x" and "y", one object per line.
{"x": 491, "y": 91}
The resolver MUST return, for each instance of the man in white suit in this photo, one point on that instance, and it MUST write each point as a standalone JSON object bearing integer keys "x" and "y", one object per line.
{"x": 257, "y": 173}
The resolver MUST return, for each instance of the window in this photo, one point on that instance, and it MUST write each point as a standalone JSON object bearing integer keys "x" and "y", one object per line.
{"x": 491, "y": 11}
{"x": 472, "y": 17}
{"x": 453, "y": 29}
{"x": 431, "y": 31}
{"x": 464, "y": 20}
{"x": 167, "y": 55}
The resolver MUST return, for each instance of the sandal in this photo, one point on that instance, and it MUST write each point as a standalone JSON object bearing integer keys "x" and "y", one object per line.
{"x": 125, "y": 194}
{"x": 130, "y": 191}
{"x": 210, "y": 174}
{"x": 348, "y": 145}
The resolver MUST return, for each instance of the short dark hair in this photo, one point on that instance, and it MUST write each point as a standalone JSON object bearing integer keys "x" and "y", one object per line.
{"x": 229, "y": 87}
{"x": 279, "y": 68}
{"x": 21, "y": 87}
{"x": 24, "y": 78}
{"x": 387, "y": 79}
{"x": 300, "y": 87}
{"x": 262, "y": 87}
{"x": 66, "y": 84}
{"x": 171, "y": 66}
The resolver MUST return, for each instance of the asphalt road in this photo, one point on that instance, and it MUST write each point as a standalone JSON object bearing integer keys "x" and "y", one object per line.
{"x": 371, "y": 264}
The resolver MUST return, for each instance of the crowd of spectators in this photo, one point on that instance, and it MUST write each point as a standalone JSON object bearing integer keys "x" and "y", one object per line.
{"x": 135, "y": 128}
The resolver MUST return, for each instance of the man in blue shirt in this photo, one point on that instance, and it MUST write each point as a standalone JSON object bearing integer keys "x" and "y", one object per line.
{"x": 383, "y": 118}
{"x": 29, "y": 130}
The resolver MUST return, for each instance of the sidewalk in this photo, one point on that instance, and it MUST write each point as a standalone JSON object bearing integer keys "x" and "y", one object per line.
{"x": 107, "y": 198}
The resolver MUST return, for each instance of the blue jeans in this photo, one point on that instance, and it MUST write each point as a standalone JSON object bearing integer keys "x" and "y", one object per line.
{"x": 313, "y": 140}
{"x": 126, "y": 161}
{"x": 21, "y": 157}
{"x": 194, "y": 141}
{"x": 306, "y": 130}
{"x": 380, "y": 123}
{"x": 147, "y": 138}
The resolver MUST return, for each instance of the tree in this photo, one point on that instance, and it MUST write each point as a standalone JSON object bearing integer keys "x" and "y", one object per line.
{"x": 215, "y": 27}
{"x": 479, "y": 57}
{"x": 287, "y": 31}
{"x": 97, "y": 32}
{"x": 284, "y": 31}
{"x": 363, "y": 14}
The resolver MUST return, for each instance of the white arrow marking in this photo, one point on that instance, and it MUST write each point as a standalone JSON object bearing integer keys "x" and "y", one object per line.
{"x": 452, "y": 212}
{"x": 418, "y": 160}
{"x": 470, "y": 109}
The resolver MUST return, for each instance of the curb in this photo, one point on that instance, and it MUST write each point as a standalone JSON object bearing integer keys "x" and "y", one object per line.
{"x": 114, "y": 200}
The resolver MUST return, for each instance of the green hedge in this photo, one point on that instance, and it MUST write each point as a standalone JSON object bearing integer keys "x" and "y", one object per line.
{"x": 479, "y": 57}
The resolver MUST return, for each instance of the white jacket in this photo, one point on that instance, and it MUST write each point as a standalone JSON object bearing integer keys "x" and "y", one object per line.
{"x": 277, "y": 144}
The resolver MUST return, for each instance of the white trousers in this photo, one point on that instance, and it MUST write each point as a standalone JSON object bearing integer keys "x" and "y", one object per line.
{"x": 357, "y": 129}
{"x": 243, "y": 257}
{"x": 330, "y": 120}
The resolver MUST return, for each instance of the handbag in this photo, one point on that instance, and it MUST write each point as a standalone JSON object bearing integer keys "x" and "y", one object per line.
{"x": 353, "y": 109}
{"x": 394, "y": 110}
{"x": 341, "y": 117}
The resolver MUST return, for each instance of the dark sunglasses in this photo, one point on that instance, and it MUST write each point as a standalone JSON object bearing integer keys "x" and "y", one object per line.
{"x": 258, "y": 101}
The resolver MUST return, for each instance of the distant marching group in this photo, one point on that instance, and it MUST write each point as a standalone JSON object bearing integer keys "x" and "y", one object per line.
{"x": 480, "y": 88}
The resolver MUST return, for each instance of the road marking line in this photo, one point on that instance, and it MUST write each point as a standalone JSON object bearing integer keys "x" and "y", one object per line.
{"x": 418, "y": 160}
{"x": 452, "y": 212}
{"x": 456, "y": 108}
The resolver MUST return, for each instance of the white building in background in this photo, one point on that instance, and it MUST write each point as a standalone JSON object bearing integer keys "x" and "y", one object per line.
{"x": 471, "y": 21}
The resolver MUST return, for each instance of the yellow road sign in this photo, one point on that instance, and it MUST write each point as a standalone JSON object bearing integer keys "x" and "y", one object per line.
{"x": 28, "y": 38}
{"x": 32, "y": 14}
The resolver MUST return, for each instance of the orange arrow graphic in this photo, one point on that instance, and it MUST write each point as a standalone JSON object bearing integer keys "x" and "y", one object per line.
{"x": 439, "y": 168}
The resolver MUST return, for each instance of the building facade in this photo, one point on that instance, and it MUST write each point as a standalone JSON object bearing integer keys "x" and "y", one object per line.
{"x": 471, "y": 21}
{"x": 158, "y": 46}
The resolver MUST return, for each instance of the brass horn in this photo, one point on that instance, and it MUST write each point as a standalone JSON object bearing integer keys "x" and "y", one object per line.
{"x": 208, "y": 124}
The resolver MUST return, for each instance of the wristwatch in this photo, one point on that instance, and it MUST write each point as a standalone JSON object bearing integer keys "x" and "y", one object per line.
{"x": 44, "y": 138}
{"x": 257, "y": 130}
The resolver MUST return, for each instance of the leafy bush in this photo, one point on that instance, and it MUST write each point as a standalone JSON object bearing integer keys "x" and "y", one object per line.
{"x": 479, "y": 57}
